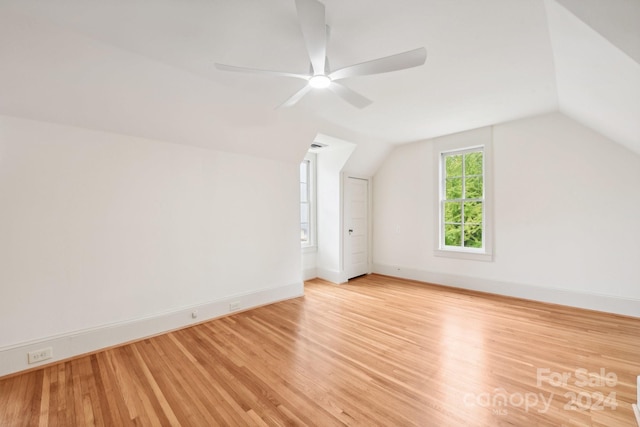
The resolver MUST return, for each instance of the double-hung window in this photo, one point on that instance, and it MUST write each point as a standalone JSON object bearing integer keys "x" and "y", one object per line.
{"x": 307, "y": 201}
{"x": 463, "y": 223}
{"x": 462, "y": 199}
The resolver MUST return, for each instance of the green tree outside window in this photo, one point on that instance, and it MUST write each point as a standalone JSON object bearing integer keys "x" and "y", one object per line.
{"x": 463, "y": 199}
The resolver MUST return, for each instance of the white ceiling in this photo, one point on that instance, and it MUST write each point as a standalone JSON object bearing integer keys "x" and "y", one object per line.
{"x": 598, "y": 83}
{"x": 146, "y": 68}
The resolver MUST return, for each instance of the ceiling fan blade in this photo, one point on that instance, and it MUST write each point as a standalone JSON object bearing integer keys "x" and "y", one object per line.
{"x": 349, "y": 95}
{"x": 311, "y": 15}
{"x": 224, "y": 67}
{"x": 400, "y": 61}
{"x": 295, "y": 98}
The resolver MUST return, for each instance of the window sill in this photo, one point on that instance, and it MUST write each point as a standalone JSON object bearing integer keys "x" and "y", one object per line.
{"x": 462, "y": 254}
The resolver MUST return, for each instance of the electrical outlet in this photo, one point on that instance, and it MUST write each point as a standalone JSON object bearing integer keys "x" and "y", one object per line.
{"x": 40, "y": 355}
{"x": 233, "y": 306}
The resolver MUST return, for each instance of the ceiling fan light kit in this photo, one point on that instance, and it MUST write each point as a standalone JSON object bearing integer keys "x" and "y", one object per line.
{"x": 319, "y": 82}
{"x": 311, "y": 15}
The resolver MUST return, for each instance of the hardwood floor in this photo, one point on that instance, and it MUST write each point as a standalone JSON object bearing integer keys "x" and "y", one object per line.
{"x": 375, "y": 351}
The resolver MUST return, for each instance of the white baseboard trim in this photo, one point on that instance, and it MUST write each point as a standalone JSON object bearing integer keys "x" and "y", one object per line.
{"x": 309, "y": 273}
{"x": 332, "y": 276}
{"x": 14, "y": 358}
{"x": 590, "y": 301}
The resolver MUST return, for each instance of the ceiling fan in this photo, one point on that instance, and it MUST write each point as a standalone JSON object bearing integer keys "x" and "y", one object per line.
{"x": 311, "y": 14}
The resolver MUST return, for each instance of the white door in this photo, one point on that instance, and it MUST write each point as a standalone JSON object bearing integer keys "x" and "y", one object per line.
{"x": 356, "y": 223}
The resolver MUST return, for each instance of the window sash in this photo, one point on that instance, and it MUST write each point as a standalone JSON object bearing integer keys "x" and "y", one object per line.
{"x": 463, "y": 200}
{"x": 307, "y": 202}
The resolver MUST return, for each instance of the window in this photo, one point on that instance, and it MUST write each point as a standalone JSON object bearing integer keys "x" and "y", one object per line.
{"x": 307, "y": 201}
{"x": 462, "y": 199}
{"x": 463, "y": 207}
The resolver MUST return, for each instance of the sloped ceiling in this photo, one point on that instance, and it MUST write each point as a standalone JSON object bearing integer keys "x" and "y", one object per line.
{"x": 616, "y": 20}
{"x": 146, "y": 69}
{"x": 598, "y": 82}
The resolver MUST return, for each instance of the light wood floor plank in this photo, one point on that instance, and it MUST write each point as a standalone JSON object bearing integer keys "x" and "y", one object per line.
{"x": 375, "y": 351}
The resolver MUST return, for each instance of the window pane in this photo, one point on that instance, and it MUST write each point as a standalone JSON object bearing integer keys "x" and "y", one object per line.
{"x": 453, "y": 234}
{"x": 453, "y": 212}
{"x": 453, "y": 166}
{"x": 462, "y": 203}
{"x": 473, "y": 163}
{"x": 307, "y": 201}
{"x": 453, "y": 188}
{"x": 473, "y": 235}
{"x": 473, "y": 212}
{"x": 473, "y": 187}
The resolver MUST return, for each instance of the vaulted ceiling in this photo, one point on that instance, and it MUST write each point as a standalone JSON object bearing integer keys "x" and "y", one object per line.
{"x": 146, "y": 68}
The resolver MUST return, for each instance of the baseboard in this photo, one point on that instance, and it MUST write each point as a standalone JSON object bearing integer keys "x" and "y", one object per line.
{"x": 14, "y": 358}
{"x": 590, "y": 301}
{"x": 332, "y": 276}
{"x": 309, "y": 273}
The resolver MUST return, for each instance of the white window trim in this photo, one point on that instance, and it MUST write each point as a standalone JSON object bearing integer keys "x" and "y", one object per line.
{"x": 312, "y": 245}
{"x": 481, "y": 138}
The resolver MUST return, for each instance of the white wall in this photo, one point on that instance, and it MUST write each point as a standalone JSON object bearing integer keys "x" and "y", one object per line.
{"x": 566, "y": 217}
{"x": 99, "y": 229}
{"x": 309, "y": 263}
{"x": 329, "y": 210}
